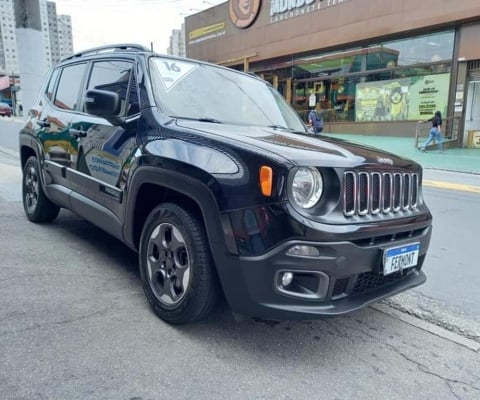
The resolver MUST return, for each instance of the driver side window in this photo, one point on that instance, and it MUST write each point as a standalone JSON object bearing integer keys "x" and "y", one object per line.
{"x": 119, "y": 77}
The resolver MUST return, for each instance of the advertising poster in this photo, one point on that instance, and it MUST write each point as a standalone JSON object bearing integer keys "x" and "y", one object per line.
{"x": 414, "y": 98}
{"x": 382, "y": 100}
{"x": 427, "y": 95}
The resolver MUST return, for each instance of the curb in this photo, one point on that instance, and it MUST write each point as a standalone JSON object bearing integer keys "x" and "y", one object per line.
{"x": 428, "y": 327}
{"x": 10, "y": 152}
{"x": 452, "y": 170}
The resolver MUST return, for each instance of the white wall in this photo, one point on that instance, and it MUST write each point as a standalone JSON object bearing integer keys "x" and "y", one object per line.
{"x": 32, "y": 64}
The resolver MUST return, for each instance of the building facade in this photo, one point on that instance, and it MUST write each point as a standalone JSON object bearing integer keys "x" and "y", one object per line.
{"x": 177, "y": 42}
{"x": 65, "y": 36}
{"x": 8, "y": 40}
{"x": 53, "y": 32}
{"x": 375, "y": 66}
{"x": 57, "y": 42}
{"x": 60, "y": 34}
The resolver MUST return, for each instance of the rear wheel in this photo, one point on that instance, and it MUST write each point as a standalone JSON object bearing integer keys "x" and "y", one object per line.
{"x": 37, "y": 206}
{"x": 176, "y": 266}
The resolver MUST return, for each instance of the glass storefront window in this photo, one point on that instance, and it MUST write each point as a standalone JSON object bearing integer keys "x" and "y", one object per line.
{"x": 329, "y": 64}
{"x": 434, "y": 47}
{"x": 388, "y": 81}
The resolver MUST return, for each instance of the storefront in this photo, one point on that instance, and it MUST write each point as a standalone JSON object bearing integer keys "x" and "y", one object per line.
{"x": 375, "y": 66}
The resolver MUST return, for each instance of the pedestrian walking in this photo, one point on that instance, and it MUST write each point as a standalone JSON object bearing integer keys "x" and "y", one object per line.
{"x": 435, "y": 132}
{"x": 315, "y": 119}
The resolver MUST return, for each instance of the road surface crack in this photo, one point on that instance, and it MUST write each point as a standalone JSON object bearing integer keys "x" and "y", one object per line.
{"x": 56, "y": 323}
{"x": 423, "y": 368}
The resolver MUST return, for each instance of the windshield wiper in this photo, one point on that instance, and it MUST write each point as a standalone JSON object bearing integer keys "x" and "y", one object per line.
{"x": 279, "y": 127}
{"x": 207, "y": 119}
{"x": 201, "y": 119}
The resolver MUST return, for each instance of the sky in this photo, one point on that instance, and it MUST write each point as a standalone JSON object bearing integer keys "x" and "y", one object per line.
{"x": 101, "y": 22}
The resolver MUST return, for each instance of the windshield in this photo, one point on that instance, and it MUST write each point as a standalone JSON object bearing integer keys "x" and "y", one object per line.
{"x": 186, "y": 89}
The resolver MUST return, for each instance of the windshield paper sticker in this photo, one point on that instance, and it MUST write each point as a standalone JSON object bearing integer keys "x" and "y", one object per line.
{"x": 172, "y": 72}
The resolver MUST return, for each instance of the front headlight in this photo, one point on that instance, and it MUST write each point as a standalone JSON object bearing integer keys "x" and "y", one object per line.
{"x": 307, "y": 187}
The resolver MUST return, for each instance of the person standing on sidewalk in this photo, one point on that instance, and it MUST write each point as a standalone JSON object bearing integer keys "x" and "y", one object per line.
{"x": 435, "y": 132}
{"x": 315, "y": 119}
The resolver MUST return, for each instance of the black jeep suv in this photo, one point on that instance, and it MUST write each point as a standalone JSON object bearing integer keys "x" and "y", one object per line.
{"x": 214, "y": 179}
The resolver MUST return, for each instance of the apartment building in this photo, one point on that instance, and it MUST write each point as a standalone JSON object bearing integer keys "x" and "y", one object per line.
{"x": 8, "y": 40}
{"x": 177, "y": 42}
{"x": 65, "y": 36}
{"x": 57, "y": 41}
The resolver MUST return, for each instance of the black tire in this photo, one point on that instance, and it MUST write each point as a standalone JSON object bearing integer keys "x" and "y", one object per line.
{"x": 176, "y": 266}
{"x": 37, "y": 206}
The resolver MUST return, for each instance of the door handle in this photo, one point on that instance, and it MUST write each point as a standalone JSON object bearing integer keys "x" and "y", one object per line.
{"x": 43, "y": 123}
{"x": 78, "y": 133}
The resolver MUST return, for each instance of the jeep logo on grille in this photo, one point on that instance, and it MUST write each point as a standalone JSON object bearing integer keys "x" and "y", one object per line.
{"x": 384, "y": 160}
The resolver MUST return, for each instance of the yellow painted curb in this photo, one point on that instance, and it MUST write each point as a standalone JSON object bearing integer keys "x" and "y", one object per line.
{"x": 451, "y": 186}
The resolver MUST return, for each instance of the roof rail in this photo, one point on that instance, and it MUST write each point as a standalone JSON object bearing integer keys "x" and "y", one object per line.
{"x": 112, "y": 47}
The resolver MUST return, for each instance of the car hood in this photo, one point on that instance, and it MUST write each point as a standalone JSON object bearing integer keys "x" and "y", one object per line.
{"x": 299, "y": 148}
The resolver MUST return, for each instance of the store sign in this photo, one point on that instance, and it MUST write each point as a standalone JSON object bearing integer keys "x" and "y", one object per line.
{"x": 281, "y": 10}
{"x": 206, "y": 32}
{"x": 244, "y": 12}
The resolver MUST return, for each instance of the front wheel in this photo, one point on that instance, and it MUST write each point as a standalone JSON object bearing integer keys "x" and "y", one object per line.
{"x": 176, "y": 267}
{"x": 37, "y": 206}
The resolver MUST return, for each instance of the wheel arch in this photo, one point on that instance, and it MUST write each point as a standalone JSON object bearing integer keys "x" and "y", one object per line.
{"x": 27, "y": 149}
{"x": 25, "y": 153}
{"x": 150, "y": 187}
{"x": 150, "y": 193}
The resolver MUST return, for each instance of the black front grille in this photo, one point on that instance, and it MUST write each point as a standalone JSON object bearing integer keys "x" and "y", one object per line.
{"x": 384, "y": 239}
{"x": 372, "y": 193}
{"x": 340, "y": 287}
{"x": 369, "y": 281}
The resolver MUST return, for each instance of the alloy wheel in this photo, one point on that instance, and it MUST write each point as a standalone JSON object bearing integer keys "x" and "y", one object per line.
{"x": 31, "y": 189}
{"x": 168, "y": 264}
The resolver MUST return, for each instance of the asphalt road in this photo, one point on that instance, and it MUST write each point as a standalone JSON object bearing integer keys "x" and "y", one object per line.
{"x": 455, "y": 246}
{"x": 76, "y": 325}
{"x": 9, "y": 128}
{"x": 451, "y": 296}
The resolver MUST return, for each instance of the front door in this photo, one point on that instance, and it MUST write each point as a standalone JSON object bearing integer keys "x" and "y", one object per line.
{"x": 104, "y": 150}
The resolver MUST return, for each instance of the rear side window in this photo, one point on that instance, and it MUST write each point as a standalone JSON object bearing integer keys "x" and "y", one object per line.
{"x": 69, "y": 87}
{"x": 118, "y": 77}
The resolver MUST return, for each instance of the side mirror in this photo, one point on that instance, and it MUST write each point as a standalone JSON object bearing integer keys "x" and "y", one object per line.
{"x": 102, "y": 103}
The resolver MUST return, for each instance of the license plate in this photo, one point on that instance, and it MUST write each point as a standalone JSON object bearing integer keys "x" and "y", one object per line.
{"x": 399, "y": 258}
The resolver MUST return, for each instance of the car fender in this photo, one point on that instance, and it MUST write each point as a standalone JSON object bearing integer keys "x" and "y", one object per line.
{"x": 216, "y": 224}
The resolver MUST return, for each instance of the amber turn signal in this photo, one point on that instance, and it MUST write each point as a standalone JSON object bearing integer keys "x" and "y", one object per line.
{"x": 266, "y": 179}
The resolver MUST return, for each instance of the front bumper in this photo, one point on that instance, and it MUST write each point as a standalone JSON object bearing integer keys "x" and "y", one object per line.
{"x": 350, "y": 276}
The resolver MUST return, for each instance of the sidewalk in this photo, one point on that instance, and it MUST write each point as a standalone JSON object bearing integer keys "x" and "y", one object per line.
{"x": 459, "y": 160}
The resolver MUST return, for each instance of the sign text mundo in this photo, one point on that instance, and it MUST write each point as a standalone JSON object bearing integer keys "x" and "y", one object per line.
{"x": 297, "y": 7}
